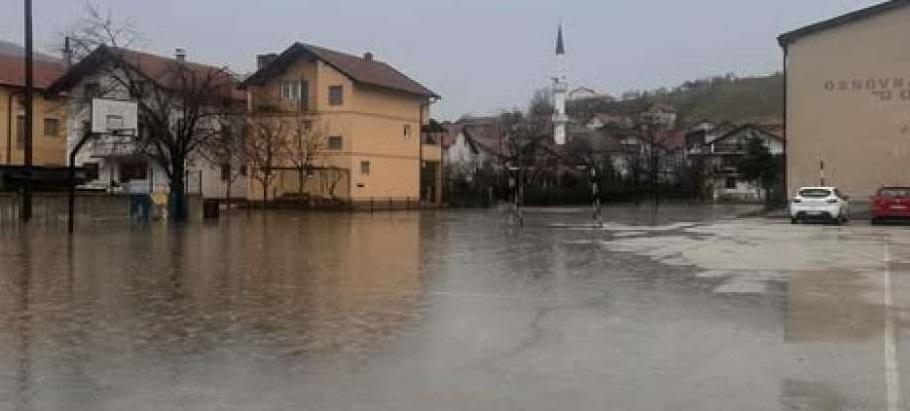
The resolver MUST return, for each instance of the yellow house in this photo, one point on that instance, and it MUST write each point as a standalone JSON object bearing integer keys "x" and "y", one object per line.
{"x": 364, "y": 118}
{"x": 49, "y": 118}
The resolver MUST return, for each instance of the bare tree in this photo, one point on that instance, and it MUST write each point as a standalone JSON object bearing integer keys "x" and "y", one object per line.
{"x": 98, "y": 28}
{"x": 304, "y": 144}
{"x": 180, "y": 103}
{"x": 265, "y": 148}
{"x": 227, "y": 149}
{"x": 329, "y": 178}
{"x": 524, "y": 137}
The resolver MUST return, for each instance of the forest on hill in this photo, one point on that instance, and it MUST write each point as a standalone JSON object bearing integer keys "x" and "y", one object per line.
{"x": 719, "y": 98}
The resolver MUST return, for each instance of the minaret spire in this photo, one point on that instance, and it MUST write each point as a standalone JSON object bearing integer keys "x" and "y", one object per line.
{"x": 560, "y": 43}
{"x": 560, "y": 88}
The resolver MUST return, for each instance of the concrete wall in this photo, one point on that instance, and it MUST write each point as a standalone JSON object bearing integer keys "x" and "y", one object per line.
{"x": 48, "y": 150}
{"x": 848, "y": 95}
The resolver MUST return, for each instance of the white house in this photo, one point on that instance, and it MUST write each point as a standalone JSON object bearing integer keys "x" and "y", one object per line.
{"x": 471, "y": 146}
{"x": 115, "y": 161}
{"x": 721, "y": 155}
{"x": 583, "y": 93}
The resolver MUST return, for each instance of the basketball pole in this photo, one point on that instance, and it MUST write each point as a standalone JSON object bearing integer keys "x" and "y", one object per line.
{"x": 71, "y": 209}
{"x": 26, "y": 210}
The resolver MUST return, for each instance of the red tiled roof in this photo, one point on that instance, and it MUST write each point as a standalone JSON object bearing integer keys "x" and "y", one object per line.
{"x": 12, "y": 72}
{"x": 672, "y": 139}
{"x": 161, "y": 69}
{"x": 359, "y": 69}
{"x": 156, "y": 68}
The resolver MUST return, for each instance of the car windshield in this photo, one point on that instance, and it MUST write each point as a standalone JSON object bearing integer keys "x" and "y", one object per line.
{"x": 895, "y": 192}
{"x": 815, "y": 193}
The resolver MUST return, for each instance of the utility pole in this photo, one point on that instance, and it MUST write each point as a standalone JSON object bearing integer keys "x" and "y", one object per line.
{"x": 26, "y": 208}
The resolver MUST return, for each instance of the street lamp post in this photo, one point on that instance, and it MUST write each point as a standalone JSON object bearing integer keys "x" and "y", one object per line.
{"x": 26, "y": 207}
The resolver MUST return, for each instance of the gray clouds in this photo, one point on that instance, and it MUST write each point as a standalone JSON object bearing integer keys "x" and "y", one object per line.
{"x": 480, "y": 55}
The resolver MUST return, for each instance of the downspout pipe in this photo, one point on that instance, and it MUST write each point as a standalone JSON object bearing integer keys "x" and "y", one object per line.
{"x": 786, "y": 144}
{"x": 420, "y": 149}
{"x": 9, "y": 128}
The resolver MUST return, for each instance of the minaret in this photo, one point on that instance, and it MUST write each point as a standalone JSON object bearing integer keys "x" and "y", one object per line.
{"x": 560, "y": 88}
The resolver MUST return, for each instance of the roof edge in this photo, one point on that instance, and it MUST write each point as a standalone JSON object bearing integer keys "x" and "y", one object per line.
{"x": 263, "y": 74}
{"x": 789, "y": 37}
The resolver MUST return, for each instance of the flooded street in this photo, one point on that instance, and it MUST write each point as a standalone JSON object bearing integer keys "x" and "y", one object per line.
{"x": 688, "y": 309}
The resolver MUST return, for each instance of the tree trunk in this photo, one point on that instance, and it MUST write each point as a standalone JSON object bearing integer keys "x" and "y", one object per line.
{"x": 227, "y": 193}
{"x": 178, "y": 210}
{"x": 265, "y": 195}
{"x": 300, "y": 176}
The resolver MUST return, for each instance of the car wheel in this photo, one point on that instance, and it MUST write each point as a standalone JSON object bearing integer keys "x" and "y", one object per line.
{"x": 794, "y": 220}
{"x": 876, "y": 221}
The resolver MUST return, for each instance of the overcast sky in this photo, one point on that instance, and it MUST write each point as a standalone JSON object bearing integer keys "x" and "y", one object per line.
{"x": 480, "y": 55}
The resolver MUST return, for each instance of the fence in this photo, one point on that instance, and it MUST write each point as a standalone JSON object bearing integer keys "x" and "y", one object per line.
{"x": 51, "y": 208}
{"x": 371, "y": 204}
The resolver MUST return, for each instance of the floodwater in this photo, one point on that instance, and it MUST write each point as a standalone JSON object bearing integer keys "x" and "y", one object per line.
{"x": 684, "y": 309}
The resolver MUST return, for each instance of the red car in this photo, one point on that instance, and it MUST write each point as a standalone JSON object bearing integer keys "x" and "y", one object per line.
{"x": 891, "y": 203}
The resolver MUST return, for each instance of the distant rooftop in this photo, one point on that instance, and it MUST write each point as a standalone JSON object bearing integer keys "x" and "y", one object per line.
{"x": 12, "y": 67}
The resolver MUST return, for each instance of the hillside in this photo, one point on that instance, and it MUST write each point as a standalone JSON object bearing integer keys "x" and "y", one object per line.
{"x": 718, "y": 98}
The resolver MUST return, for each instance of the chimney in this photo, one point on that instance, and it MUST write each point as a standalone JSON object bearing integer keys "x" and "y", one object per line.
{"x": 263, "y": 60}
{"x": 368, "y": 56}
{"x": 180, "y": 54}
{"x": 67, "y": 53}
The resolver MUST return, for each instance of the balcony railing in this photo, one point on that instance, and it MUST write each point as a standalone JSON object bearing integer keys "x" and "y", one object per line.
{"x": 112, "y": 146}
{"x": 431, "y": 139}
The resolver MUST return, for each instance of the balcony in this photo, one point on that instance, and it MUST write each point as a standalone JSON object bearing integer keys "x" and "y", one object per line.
{"x": 431, "y": 146}
{"x": 112, "y": 146}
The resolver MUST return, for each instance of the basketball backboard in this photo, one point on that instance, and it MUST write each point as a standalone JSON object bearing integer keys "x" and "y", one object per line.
{"x": 114, "y": 116}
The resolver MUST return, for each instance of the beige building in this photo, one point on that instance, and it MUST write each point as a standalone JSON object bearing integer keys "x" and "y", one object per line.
{"x": 48, "y": 126}
{"x": 848, "y": 101}
{"x": 362, "y": 117}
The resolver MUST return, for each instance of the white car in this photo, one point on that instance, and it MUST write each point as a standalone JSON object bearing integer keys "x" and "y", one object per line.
{"x": 824, "y": 203}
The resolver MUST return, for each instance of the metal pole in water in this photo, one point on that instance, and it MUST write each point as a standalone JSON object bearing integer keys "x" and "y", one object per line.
{"x": 71, "y": 210}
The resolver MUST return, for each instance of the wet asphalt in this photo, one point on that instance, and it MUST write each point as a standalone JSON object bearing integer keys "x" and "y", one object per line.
{"x": 680, "y": 308}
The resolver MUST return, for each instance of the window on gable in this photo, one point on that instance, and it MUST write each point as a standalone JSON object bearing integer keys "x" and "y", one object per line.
{"x": 52, "y": 127}
{"x": 20, "y": 131}
{"x": 336, "y": 95}
{"x": 294, "y": 91}
{"x": 225, "y": 172}
{"x": 335, "y": 143}
{"x": 365, "y": 168}
{"x": 91, "y": 90}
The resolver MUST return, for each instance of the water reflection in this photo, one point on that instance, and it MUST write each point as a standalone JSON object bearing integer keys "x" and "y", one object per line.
{"x": 833, "y": 307}
{"x": 804, "y": 395}
{"x": 250, "y": 292}
{"x": 23, "y": 334}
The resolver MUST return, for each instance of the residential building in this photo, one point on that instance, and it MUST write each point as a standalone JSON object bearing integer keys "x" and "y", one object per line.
{"x": 49, "y": 116}
{"x": 701, "y": 134}
{"x": 601, "y": 120}
{"x": 471, "y": 145}
{"x": 662, "y": 115}
{"x": 720, "y": 158}
{"x": 369, "y": 115}
{"x": 847, "y": 90}
{"x": 587, "y": 93}
{"x": 118, "y": 163}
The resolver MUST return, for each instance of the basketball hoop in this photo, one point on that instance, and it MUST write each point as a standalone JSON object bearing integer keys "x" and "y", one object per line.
{"x": 114, "y": 117}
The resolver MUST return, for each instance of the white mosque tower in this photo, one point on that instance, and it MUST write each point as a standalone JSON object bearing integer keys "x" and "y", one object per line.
{"x": 560, "y": 88}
